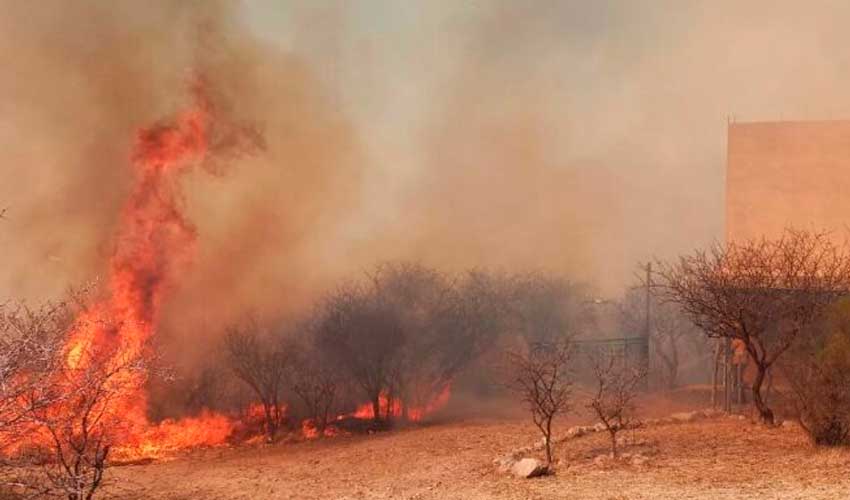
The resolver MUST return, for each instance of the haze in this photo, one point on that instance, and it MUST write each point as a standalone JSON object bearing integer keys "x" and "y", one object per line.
{"x": 581, "y": 137}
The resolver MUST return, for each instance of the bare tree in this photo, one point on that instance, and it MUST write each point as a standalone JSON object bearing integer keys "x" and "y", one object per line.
{"x": 64, "y": 415}
{"x": 543, "y": 307}
{"x": 405, "y": 331}
{"x": 669, "y": 329}
{"x": 446, "y": 322}
{"x": 31, "y": 344}
{"x": 316, "y": 382}
{"x": 89, "y": 421}
{"x": 762, "y": 292}
{"x": 616, "y": 388}
{"x": 542, "y": 377}
{"x": 262, "y": 364}
{"x": 365, "y": 337}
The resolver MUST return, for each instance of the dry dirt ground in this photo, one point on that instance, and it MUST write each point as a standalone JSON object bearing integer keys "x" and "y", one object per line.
{"x": 721, "y": 458}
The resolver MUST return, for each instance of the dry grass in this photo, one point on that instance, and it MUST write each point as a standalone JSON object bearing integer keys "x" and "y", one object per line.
{"x": 713, "y": 459}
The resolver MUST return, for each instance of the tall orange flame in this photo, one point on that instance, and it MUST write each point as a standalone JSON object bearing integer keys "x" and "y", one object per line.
{"x": 154, "y": 241}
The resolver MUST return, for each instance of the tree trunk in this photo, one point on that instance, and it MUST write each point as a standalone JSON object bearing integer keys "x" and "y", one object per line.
{"x": 613, "y": 444}
{"x": 727, "y": 395}
{"x": 765, "y": 413}
{"x": 714, "y": 375}
{"x": 271, "y": 425}
{"x": 673, "y": 366}
{"x": 376, "y": 408}
{"x": 548, "y": 438}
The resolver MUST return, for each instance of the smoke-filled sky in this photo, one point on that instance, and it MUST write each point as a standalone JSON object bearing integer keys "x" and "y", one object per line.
{"x": 576, "y": 136}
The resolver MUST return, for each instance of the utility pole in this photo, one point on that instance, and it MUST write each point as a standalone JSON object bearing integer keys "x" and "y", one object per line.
{"x": 647, "y": 328}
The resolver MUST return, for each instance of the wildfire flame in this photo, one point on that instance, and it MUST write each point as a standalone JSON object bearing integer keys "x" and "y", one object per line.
{"x": 397, "y": 408}
{"x": 154, "y": 241}
{"x": 154, "y": 244}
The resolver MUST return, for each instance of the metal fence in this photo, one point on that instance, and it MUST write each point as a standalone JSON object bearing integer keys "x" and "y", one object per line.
{"x": 630, "y": 350}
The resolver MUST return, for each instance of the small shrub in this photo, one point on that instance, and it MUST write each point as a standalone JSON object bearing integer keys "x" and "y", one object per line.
{"x": 819, "y": 374}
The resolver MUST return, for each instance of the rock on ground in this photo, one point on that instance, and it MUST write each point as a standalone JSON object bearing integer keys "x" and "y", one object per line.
{"x": 686, "y": 416}
{"x": 528, "y": 468}
{"x": 506, "y": 463}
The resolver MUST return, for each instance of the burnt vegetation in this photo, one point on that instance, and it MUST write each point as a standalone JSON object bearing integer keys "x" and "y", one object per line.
{"x": 385, "y": 348}
{"x": 58, "y": 419}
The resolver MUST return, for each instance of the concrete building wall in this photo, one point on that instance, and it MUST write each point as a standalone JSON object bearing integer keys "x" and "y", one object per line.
{"x": 782, "y": 174}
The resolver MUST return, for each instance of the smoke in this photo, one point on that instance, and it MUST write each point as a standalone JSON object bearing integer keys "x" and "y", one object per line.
{"x": 87, "y": 77}
{"x": 577, "y": 136}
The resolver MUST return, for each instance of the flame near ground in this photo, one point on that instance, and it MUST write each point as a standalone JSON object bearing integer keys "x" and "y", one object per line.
{"x": 154, "y": 245}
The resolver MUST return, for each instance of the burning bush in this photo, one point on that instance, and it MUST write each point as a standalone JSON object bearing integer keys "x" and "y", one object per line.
{"x": 317, "y": 384}
{"x": 405, "y": 332}
{"x": 31, "y": 343}
{"x": 263, "y": 365}
{"x": 65, "y": 409}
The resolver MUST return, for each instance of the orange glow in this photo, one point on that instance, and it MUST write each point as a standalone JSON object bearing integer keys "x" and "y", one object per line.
{"x": 151, "y": 249}
{"x": 414, "y": 414}
{"x": 170, "y": 436}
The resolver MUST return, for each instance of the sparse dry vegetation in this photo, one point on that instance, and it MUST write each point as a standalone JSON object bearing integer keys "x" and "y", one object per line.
{"x": 542, "y": 379}
{"x": 818, "y": 372}
{"x": 616, "y": 383}
{"x": 213, "y": 160}
{"x": 261, "y": 363}
{"x": 763, "y": 293}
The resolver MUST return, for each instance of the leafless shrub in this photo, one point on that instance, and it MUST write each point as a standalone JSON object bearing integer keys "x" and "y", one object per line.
{"x": 406, "y": 331}
{"x": 446, "y": 322}
{"x": 31, "y": 343}
{"x": 672, "y": 333}
{"x": 616, "y": 386}
{"x": 818, "y": 370}
{"x": 542, "y": 307}
{"x": 542, "y": 378}
{"x": 59, "y": 415}
{"x": 316, "y": 382}
{"x": 364, "y": 336}
{"x": 90, "y": 420}
{"x": 763, "y": 293}
{"x": 261, "y": 363}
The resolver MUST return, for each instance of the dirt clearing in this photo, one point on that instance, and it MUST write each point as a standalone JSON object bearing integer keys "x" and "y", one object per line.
{"x": 717, "y": 459}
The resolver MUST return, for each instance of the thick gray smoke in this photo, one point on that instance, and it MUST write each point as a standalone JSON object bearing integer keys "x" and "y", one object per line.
{"x": 580, "y": 136}
{"x": 572, "y": 135}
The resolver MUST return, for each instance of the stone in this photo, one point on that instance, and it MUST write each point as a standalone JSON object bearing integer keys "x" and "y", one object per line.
{"x": 522, "y": 451}
{"x": 603, "y": 461}
{"x": 712, "y": 413}
{"x": 685, "y": 416}
{"x": 528, "y": 468}
{"x": 574, "y": 432}
{"x": 539, "y": 445}
{"x": 504, "y": 464}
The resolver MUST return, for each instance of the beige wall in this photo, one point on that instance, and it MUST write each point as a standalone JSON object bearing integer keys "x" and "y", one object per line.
{"x": 784, "y": 174}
